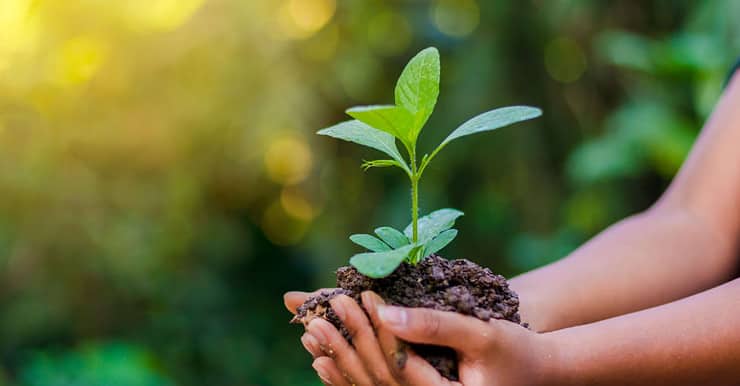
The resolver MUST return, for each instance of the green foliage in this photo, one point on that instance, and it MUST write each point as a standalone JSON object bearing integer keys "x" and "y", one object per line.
{"x": 439, "y": 242}
{"x": 392, "y": 237}
{"x": 381, "y": 264}
{"x": 363, "y": 134}
{"x": 434, "y": 223}
{"x": 95, "y": 365}
{"x": 379, "y": 127}
{"x": 417, "y": 89}
{"x": 370, "y": 242}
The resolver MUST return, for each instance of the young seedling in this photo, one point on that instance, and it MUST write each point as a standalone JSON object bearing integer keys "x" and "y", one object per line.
{"x": 381, "y": 127}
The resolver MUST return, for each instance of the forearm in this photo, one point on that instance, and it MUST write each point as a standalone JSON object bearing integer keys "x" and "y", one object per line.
{"x": 687, "y": 243}
{"x": 694, "y": 341}
{"x": 643, "y": 261}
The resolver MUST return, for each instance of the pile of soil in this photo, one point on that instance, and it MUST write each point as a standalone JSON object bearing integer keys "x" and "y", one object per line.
{"x": 435, "y": 282}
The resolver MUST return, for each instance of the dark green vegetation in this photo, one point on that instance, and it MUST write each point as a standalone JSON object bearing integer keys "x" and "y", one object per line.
{"x": 380, "y": 127}
{"x": 161, "y": 184}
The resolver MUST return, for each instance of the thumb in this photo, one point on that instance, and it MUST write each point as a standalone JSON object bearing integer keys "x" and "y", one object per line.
{"x": 294, "y": 299}
{"x": 440, "y": 328}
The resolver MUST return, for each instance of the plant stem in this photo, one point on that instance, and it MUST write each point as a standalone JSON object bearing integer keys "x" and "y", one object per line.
{"x": 415, "y": 208}
{"x": 414, "y": 196}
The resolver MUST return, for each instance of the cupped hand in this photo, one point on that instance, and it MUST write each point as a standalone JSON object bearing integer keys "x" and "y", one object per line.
{"x": 489, "y": 353}
{"x": 323, "y": 351}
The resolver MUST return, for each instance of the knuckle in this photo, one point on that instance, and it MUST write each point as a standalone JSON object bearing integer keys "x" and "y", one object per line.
{"x": 329, "y": 351}
{"x": 352, "y": 333}
{"x": 382, "y": 378}
{"x": 382, "y": 382}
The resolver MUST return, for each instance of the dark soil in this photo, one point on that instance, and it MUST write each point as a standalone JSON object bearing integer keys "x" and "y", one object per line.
{"x": 437, "y": 283}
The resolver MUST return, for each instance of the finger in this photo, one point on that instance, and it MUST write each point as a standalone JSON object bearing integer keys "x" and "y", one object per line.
{"x": 328, "y": 372}
{"x": 363, "y": 339}
{"x": 439, "y": 328}
{"x": 335, "y": 346}
{"x": 393, "y": 350}
{"x": 294, "y": 299}
{"x": 311, "y": 345}
{"x": 419, "y": 372}
{"x": 407, "y": 365}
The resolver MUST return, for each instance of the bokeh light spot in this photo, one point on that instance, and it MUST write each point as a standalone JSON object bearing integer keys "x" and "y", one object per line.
{"x": 160, "y": 14}
{"x": 19, "y": 29}
{"x": 281, "y": 228}
{"x": 565, "y": 61}
{"x": 288, "y": 161}
{"x": 389, "y": 33}
{"x": 456, "y": 18}
{"x": 79, "y": 59}
{"x": 301, "y": 19}
{"x": 297, "y": 205}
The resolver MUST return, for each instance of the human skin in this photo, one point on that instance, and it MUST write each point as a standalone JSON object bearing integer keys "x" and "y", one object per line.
{"x": 639, "y": 269}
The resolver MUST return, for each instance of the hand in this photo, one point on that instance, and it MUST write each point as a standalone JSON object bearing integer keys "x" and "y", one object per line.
{"x": 490, "y": 353}
{"x": 325, "y": 366}
{"x": 325, "y": 344}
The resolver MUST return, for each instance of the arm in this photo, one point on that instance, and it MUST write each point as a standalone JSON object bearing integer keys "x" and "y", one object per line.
{"x": 684, "y": 244}
{"x": 694, "y": 341}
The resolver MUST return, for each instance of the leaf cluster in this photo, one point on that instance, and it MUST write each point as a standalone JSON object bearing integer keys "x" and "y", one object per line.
{"x": 381, "y": 127}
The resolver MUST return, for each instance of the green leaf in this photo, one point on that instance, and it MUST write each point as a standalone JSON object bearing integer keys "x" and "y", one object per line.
{"x": 417, "y": 88}
{"x": 492, "y": 120}
{"x": 370, "y": 242}
{"x": 380, "y": 163}
{"x": 394, "y": 120}
{"x": 434, "y": 223}
{"x": 360, "y": 133}
{"x": 381, "y": 264}
{"x": 392, "y": 237}
{"x": 440, "y": 242}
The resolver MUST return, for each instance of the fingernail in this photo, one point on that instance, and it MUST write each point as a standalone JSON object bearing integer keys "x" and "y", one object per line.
{"x": 293, "y": 293}
{"x": 317, "y": 333}
{"x": 338, "y": 307}
{"x": 310, "y": 344}
{"x": 370, "y": 300}
{"x": 395, "y": 316}
{"x": 322, "y": 374}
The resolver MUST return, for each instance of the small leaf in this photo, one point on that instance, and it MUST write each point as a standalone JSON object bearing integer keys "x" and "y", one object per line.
{"x": 360, "y": 133}
{"x": 370, "y": 242}
{"x": 380, "y": 163}
{"x": 440, "y": 242}
{"x": 392, "y": 237}
{"x": 417, "y": 88}
{"x": 380, "y": 264}
{"x": 433, "y": 224}
{"x": 492, "y": 120}
{"x": 394, "y": 120}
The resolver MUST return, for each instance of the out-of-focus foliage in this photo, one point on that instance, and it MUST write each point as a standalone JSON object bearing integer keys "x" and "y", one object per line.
{"x": 161, "y": 184}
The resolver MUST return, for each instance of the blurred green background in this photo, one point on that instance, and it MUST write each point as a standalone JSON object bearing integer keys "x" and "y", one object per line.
{"x": 161, "y": 184}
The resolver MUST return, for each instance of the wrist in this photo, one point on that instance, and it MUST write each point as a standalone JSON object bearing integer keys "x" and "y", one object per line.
{"x": 533, "y": 309}
{"x": 560, "y": 363}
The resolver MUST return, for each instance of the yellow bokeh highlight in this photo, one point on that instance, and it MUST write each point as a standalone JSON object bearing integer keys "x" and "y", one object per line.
{"x": 79, "y": 59}
{"x": 565, "y": 61}
{"x": 301, "y": 19}
{"x": 458, "y": 18}
{"x": 154, "y": 15}
{"x": 297, "y": 205}
{"x": 288, "y": 160}
{"x": 19, "y": 30}
{"x": 281, "y": 228}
